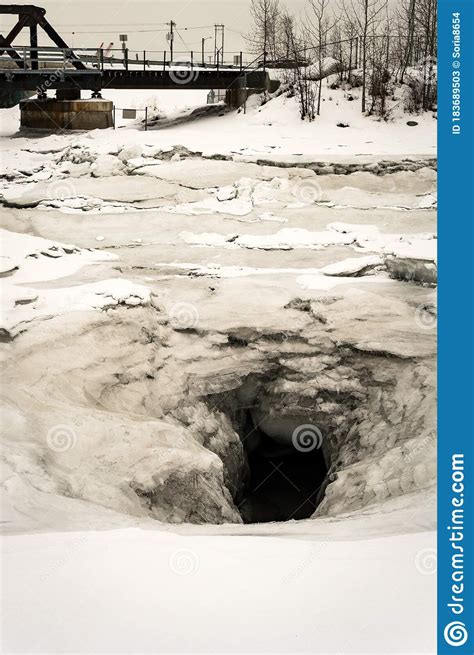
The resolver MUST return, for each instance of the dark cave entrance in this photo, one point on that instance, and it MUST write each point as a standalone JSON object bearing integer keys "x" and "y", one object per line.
{"x": 284, "y": 483}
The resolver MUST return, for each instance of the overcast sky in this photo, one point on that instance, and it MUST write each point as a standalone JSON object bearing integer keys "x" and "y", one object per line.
{"x": 109, "y": 18}
{"x": 88, "y": 23}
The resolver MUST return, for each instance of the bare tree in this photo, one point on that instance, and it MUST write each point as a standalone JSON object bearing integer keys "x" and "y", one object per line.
{"x": 264, "y": 36}
{"x": 294, "y": 44}
{"x": 386, "y": 47}
{"x": 319, "y": 26}
{"x": 409, "y": 15}
{"x": 349, "y": 31}
{"x": 380, "y": 73}
{"x": 427, "y": 19}
{"x": 287, "y": 33}
{"x": 416, "y": 51}
{"x": 338, "y": 50}
{"x": 367, "y": 15}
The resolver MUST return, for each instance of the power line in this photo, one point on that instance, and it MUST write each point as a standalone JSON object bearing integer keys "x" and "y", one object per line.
{"x": 184, "y": 42}
{"x": 125, "y": 25}
{"x": 107, "y": 31}
{"x": 200, "y": 27}
{"x": 106, "y": 24}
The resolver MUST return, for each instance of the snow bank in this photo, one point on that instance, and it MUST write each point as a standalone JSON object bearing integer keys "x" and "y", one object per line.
{"x": 326, "y": 592}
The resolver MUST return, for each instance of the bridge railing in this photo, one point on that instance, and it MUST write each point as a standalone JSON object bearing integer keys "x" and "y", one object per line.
{"x": 191, "y": 59}
{"x": 47, "y": 58}
{"x": 25, "y": 58}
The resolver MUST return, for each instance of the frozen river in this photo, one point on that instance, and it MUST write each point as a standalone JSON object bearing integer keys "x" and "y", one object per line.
{"x": 171, "y": 321}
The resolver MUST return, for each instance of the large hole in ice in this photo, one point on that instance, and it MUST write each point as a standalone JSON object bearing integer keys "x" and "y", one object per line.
{"x": 285, "y": 482}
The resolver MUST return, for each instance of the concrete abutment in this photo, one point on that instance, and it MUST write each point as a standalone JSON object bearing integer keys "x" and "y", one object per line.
{"x": 66, "y": 113}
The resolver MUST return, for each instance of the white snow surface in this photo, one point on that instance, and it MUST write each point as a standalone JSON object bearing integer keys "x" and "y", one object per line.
{"x": 145, "y": 591}
{"x": 272, "y": 129}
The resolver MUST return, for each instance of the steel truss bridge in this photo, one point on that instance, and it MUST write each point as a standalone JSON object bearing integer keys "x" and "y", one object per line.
{"x": 36, "y": 68}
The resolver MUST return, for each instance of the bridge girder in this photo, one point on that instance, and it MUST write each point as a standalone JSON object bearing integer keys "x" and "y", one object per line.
{"x": 82, "y": 76}
{"x": 96, "y": 80}
{"x": 31, "y": 16}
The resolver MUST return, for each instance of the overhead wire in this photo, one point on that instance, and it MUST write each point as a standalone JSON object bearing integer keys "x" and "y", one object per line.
{"x": 184, "y": 42}
{"x": 106, "y": 29}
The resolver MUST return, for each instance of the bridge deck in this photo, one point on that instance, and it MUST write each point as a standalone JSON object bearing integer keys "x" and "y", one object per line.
{"x": 132, "y": 79}
{"x": 85, "y": 68}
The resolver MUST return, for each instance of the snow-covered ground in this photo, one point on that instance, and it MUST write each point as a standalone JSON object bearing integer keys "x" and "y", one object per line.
{"x": 273, "y": 129}
{"x": 142, "y": 591}
{"x": 155, "y": 282}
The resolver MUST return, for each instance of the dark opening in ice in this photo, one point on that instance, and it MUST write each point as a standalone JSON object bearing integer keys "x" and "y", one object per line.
{"x": 285, "y": 483}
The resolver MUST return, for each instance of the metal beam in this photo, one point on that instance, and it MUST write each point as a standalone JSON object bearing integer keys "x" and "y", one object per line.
{"x": 32, "y": 16}
{"x": 11, "y": 52}
{"x": 16, "y": 29}
{"x": 22, "y": 9}
{"x": 95, "y": 80}
{"x": 54, "y": 36}
{"x": 34, "y": 46}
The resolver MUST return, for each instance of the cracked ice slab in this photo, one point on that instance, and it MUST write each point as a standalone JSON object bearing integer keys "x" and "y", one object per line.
{"x": 34, "y": 260}
{"x": 367, "y": 237}
{"x": 353, "y": 266}
{"x": 39, "y": 260}
{"x": 21, "y": 307}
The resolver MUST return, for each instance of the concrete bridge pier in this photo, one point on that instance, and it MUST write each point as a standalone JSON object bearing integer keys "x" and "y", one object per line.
{"x": 68, "y": 111}
{"x": 236, "y": 97}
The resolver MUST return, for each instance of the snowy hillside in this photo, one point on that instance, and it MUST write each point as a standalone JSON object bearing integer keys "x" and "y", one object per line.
{"x": 274, "y": 128}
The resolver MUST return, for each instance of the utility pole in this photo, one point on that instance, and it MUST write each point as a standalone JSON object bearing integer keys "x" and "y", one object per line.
{"x": 170, "y": 36}
{"x": 203, "y": 45}
{"x": 123, "y": 38}
{"x": 218, "y": 37}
